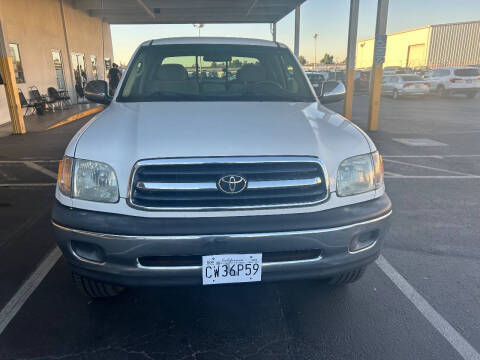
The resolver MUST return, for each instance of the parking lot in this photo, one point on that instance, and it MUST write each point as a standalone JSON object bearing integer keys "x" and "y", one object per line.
{"x": 420, "y": 300}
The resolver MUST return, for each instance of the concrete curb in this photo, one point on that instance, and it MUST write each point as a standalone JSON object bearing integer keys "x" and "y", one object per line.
{"x": 77, "y": 116}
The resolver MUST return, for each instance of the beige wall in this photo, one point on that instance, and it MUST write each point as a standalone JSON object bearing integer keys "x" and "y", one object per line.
{"x": 397, "y": 48}
{"x": 36, "y": 25}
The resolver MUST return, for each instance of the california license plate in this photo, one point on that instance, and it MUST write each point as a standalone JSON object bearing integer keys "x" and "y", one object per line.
{"x": 231, "y": 268}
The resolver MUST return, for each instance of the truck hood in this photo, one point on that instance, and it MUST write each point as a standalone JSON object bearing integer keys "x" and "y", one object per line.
{"x": 127, "y": 132}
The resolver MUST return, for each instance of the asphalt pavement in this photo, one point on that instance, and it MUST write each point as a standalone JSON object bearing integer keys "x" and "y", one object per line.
{"x": 420, "y": 301}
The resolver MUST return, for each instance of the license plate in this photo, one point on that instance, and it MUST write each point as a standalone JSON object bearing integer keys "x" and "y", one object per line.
{"x": 418, "y": 86}
{"x": 469, "y": 81}
{"x": 231, "y": 268}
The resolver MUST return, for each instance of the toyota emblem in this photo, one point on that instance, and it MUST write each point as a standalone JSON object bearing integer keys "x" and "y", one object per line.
{"x": 232, "y": 184}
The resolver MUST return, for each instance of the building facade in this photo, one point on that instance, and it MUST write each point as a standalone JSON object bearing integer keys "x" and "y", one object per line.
{"x": 53, "y": 44}
{"x": 432, "y": 46}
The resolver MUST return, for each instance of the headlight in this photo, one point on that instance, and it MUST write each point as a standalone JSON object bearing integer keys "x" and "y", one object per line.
{"x": 87, "y": 180}
{"x": 94, "y": 181}
{"x": 360, "y": 174}
{"x": 64, "y": 179}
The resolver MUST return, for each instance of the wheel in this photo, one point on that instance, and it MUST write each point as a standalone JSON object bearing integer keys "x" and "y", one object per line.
{"x": 347, "y": 277}
{"x": 471, "y": 95}
{"x": 395, "y": 95}
{"x": 441, "y": 90}
{"x": 95, "y": 289}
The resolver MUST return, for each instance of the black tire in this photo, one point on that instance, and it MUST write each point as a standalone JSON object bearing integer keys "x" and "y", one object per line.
{"x": 347, "y": 277}
{"x": 95, "y": 289}
{"x": 395, "y": 95}
{"x": 441, "y": 90}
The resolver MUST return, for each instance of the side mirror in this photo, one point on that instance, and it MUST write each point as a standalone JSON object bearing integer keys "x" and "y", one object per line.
{"x": 97, "y": 92}
{"x": 331, "y": 91}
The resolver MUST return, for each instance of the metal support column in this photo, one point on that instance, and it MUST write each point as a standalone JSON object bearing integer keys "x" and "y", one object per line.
{"x": 11, "y": 90}
{"x": 377, "y": 67}
{"x": 273, "y": 29}
{"x": 351, "y": 50}
{"x": 297, "y": 31}
{"x": 67, "y": 48}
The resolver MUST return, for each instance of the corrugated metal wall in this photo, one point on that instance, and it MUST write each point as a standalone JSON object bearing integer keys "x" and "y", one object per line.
{"x": 454, "y": 44}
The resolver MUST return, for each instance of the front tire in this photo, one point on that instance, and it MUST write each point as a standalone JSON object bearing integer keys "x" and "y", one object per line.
{"x": 95, "y": 289}
{"x": 347, "y": 277}
{"x": 442, "y": 91}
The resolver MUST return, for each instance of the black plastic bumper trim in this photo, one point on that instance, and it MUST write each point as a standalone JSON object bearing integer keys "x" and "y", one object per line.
{"x": 109, "y": 223}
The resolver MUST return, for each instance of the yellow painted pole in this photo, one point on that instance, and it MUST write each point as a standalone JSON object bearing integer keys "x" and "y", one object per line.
{"x": 11, "y": 90}
{"x": 351, "y": 50}
{"x": 349, "y": 88}
{"x": 377, "y": 66}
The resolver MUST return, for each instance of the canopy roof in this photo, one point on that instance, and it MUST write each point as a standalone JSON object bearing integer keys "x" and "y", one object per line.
{"x": 187, "y": 11}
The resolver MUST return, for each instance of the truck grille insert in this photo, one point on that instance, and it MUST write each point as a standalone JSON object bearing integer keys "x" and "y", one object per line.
{"x": 227, "y": 183}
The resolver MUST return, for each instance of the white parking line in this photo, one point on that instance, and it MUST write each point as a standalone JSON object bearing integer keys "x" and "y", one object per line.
{"x": 407, "y": 177}
{"x": 43, "y": 170}
{"x": 434, "y": 318}
{"x": 28, "y": 287}
{"x": 427, "y": 167}
{"x": 27, "y": 184}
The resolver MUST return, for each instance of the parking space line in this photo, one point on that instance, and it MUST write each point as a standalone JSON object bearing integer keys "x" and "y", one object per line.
{"x": 27, "y": 184}
{"x": 406, "y": 177}
{"x": 43, "y": 170}
{"x": 21, "y": 296}
{"x": 459, "y": 343}
{"x": 427, "y": 167}
{"x": 430, "y": 156}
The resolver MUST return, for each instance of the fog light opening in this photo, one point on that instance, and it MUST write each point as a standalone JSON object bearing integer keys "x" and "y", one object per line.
{"x": 363, "y": 240}
{"x": 89, "y": 252}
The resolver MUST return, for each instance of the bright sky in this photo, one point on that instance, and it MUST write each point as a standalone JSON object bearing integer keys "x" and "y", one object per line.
{"x": 327, "y": 18}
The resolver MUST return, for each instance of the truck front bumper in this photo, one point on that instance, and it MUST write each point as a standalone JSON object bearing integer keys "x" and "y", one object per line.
{"x": 133, "y": 251}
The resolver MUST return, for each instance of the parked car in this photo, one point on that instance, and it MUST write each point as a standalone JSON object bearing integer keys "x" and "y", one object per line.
{"x": 454, "y": 80}
{"x": 317, "y": 78}
{"x": 404, "y": 85}
{"x": 188, "y": 181}
{"x": 362, "y": 81}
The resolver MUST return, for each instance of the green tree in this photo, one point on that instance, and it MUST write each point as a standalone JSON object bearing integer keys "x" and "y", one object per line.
{"x": 302, "y": 60}
{"x": 327, "y": 59}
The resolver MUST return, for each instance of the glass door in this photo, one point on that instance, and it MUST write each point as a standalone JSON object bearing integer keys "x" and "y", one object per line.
{"x": 58, "y": 67}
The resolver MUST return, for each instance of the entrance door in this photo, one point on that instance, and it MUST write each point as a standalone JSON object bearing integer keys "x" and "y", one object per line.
{"x": 416, "y": 56}
{"x": 80, "y": 73}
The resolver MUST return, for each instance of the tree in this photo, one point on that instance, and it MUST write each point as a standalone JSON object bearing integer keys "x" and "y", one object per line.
{"x": 302, "y": 60}
{"x": 327, "y": 59}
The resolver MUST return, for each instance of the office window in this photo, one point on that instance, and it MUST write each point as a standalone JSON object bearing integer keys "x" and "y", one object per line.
{"x": 17, "y": 63}
{"x": 58, "y": 67}
{"x": 93, "y": 59}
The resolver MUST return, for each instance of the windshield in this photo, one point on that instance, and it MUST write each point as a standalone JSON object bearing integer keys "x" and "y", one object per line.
{"x": 411, "y": 78}
{"x": 214, "y": 73}
{"x": 467, "y": 72}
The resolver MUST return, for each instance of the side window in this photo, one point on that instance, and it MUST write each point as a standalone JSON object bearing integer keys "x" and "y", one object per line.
{"x": 17, "y": 63}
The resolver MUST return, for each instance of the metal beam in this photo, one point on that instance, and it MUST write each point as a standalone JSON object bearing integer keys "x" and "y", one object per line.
{"x": 146, "y": 8}
{"x": 297, "y": 31}
{"x": 377, "y": 66}
{"x": 351, "y": 50}
{"x": 252, "y": 5}
{"x": 273, "y": 28}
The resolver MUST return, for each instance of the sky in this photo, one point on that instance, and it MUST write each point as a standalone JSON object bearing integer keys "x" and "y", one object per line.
{"x": 327, "y": 18}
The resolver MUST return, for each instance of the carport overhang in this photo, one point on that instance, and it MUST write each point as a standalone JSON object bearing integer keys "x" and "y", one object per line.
{"x": 188, "y": 11}
{"x": 203, "y": 12}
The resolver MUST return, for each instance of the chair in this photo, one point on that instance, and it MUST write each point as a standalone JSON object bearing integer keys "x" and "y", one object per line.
{"x": 39, "y": 98}
{"x": 25, "y": 103}
{"x": 56, "y": 97}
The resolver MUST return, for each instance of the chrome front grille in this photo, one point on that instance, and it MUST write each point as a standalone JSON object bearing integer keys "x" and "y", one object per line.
{"x": 195, "y": 183}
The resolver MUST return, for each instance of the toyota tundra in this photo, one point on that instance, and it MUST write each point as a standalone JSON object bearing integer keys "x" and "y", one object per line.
{"x": 215, "y": 162}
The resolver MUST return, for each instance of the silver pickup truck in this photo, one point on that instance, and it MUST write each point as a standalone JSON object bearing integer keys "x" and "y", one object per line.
{"x": 215, "y": 162}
